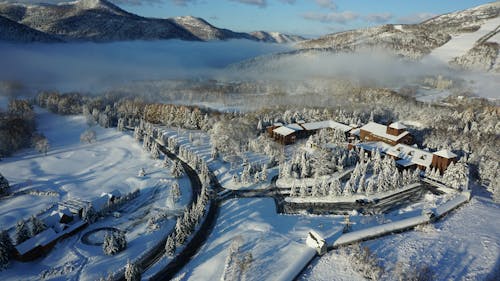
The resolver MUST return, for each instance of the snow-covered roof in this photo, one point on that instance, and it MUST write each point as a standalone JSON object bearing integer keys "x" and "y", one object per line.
{"x": 41, "y": 239}
{"x": 112, "y": 194}
{"x": 355, "y": 132}
{"x": 374, "y": 145}
{"x": 397, "y": 126}
{"x": 284, "y": 131}
{"x": 54, "y": 219}
{"x": 295, "y": 127}
{"x": 65, "y": 210}
{"x": 445, "y": 153}
{"x": 405, "y": 162}
{"x": 381, "y": 131}
{"x": 412, "y": 154}
{"x": 99, "y": 203}
{"x": 327, "y": 124}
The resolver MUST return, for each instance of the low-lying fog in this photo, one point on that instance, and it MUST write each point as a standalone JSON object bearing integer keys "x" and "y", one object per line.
{"x": 94, "y": 66}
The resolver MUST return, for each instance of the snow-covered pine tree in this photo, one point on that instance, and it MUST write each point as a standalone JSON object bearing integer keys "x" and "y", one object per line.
{"x": 315, "y": 189}
{"x": 22, "y": 232}
{"x": 121, "y": 240}
{"x": 89, "y": 214}
{"x": 335, "y": 188}
{"x": 347, "y": 189}
{"x": 4, "y": 257}
{"x": 37, "y": 225}
{"x": 155, "y": 151}
{"x": 457, "y": 175}
{"x": 177, "y": 170}
{"x": 395, "y": 181}
{"x": 109, "y": 246}
{"x": 176, "y": 191}
{"x": 170, "y": 245}
{"x": 4, "y": 185}
{"x": 120, "y": 126}
{"x": 132, "y": 272}
{"x": 137, "y": 134}
{"x": 370, "y": 187}
{"x": 6, "y": 249}
{"x": 303, "y": 190}
{"x": 263, "y": 173}
{"x": 6, "y": 242}
{"x": 180, "y": 233}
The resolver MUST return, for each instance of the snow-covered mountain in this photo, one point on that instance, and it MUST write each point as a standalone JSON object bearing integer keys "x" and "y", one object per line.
{"x": 15, "y": 32}
{"x": 276, "y": 37}
{"x": 467, "y": 38}
{"x": 100, "y": 20}
{"x": 205, "y": 31}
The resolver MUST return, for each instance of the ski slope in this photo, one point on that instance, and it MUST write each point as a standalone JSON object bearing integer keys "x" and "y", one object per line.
{"x": 460, "y": 44}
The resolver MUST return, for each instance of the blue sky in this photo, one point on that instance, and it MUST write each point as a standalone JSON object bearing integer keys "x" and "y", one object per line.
{"x": 304, "y": 17}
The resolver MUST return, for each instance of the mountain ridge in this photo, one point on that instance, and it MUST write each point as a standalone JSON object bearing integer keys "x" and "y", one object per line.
{"x": 102, "y": 21}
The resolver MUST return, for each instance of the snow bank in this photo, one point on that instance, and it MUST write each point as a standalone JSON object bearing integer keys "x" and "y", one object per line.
{"x": 380, "y": 230}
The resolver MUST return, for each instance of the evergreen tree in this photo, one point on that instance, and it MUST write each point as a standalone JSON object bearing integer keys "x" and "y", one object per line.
{"x": 109, "y": 246}
{"x": 177, "y": 170}
{"x": 336, "y": 188}
{"x": 457, "y": 175}
{"x": 175, "y": 191}
{"x": 89, "y": 214}
{"x": 37, "y": 225}
{"x": 4, "y": 185}
{"x": 155, "y": 151}
{"x": 6, "y": 242}
{"x": 263, "y": 174}
{"x": 180, "y": 233}
{"x": 6, "y": 249}
{"x": 132, "y": 272}
{"x": 22, "y": 232}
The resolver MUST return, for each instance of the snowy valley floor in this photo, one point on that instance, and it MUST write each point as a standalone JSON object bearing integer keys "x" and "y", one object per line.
{"x": 75, "y": 170}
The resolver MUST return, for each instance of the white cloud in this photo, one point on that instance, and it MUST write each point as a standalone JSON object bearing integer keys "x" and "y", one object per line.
{"x": 341, "y": 17}
{"x": 378, "y": 17}
{"x": 327, "y": 4}
{"x": 260, "y": 3}
{"x": 416, "y": 18}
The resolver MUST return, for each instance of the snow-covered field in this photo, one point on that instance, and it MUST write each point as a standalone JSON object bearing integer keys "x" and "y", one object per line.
{"x": 276, "y": 242}
{"x": 464, "y": 245}
{"x": 83, "y": 171}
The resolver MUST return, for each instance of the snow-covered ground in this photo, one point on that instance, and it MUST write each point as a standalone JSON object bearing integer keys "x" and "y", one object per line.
{"x": 464, "y": 245}
{"x": 460, "y": 44}
{"x": 331, "y": 267}
{"x": 83, "y": 171}
{"x": 276, "y": 242}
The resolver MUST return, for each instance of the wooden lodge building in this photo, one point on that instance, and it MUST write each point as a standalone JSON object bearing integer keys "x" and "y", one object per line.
{"x": 391, "y": 140}
{"x": 288, "y": 134}
{"x": 392, "y": 134}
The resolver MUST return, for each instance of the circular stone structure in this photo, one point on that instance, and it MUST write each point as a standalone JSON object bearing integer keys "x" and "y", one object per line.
{"x": 95, "y": 237}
